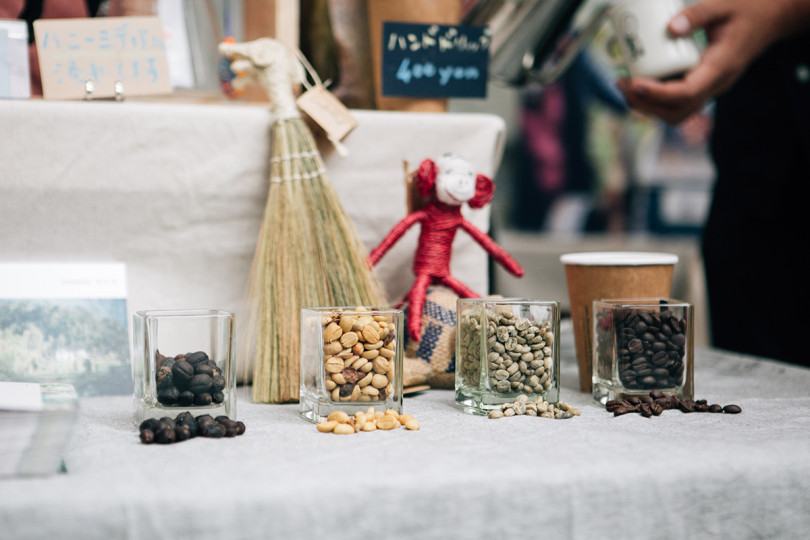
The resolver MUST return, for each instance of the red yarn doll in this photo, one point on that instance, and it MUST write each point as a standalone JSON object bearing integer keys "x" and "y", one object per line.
{"x": 448, "y": 183}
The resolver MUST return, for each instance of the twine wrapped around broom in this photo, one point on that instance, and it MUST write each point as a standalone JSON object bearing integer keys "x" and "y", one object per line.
{"x": 308, "y": 252}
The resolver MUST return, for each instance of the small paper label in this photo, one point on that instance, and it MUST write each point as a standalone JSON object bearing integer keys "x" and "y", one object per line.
{"x": 20, "y": 396}
{"x": 327, "y": 111}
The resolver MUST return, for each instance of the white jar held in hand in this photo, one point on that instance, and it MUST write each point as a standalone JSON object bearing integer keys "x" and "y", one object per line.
{"x": 647, "y": 48}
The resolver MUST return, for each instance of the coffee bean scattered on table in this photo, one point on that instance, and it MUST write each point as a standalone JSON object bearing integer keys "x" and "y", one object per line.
{"x": 188, "y": 379}
{"x": 657, "y": 402}
{"x": 186, "y": 426}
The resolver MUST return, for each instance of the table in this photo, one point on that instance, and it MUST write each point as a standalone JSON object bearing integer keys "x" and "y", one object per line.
{"x": 460, "y": 476}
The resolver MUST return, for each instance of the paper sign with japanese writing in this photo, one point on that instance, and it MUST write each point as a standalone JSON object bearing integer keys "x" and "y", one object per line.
{"x": 104, "y": 50}
{"x": 434, "y": 60}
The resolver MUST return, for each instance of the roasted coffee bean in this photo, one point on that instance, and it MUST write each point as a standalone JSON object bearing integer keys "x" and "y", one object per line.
{"x": 716, "y": 408}
{"x": 240, "y": 428}
{"x": 203, "y": 399}
{"x": 657, "y": 408}
{"x": 147, "y": 436}
{"x": 196, "y": 357}
{"x": 621, "y": 410}
{"x": 686, "y": 405}
{"x": 200, "y": 384}
{"x": 645, "y": 410}
{"x": 732, "y": 409}
{"x": 185, "y": 398}
{"x": 182, "y": 372}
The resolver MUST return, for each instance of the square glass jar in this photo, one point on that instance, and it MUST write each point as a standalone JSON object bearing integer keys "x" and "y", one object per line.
{"x": 504, "y": 348}
{"x": 351, "y": 359}
{"x": 642, "y": 345}
{"x": 183, "y": 360}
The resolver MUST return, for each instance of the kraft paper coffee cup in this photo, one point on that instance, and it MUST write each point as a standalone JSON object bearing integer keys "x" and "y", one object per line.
{"x": 610, "y": 274}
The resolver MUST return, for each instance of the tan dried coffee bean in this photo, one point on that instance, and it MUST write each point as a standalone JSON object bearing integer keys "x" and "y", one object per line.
{"x": 412, "y": 424}
{"x": 332, "y": 332}
{"x": 381, "y": 365}
{"x": 365, "y": 381}
{"x": 358, "y": 348}
{"x": 370, "y": 355}
{"x": 348, "y": 339}
{"x": 346, "y": 323}
{"x": 387, "y": 422}
{"x": 333, "y": 365}
{"x": 379, "y": 381}
{"x": 386, "y": 352}
{"x": 338, "y": 416}
{"x": 332, "y": 348}
{"x": 371, "y": 346}
{"x": 339, "y": 378}
{"x": 327, "y": 427}
{"x": 343, "y": 429}
{"x": 371, "y": 391}
{"x": 370, "y": 334}
{"x": 330, "y": 384}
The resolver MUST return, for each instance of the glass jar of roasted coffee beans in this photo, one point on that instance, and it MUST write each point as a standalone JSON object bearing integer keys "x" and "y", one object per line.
{"x": 351, "y": 358}
{"x": 642, "y": 345}
{"x": 505, "y": 348}
{"x": 183, "y": 359}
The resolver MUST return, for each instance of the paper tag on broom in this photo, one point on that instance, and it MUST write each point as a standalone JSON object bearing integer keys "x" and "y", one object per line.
{"x": 327, "y": 111}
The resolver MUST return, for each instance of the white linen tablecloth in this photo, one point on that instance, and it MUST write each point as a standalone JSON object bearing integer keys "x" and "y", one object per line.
{"x": 177, "y": 191}
{"x": 460, "y": 476}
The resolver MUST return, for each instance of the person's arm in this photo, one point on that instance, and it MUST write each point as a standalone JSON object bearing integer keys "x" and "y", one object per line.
{"x": 738, "y": 31}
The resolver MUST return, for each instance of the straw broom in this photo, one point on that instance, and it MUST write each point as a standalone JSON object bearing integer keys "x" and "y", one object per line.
{"x": 308, "y": 252}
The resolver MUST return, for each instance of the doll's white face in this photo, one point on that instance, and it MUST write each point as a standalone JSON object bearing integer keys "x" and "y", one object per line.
{"x": 455, "y": 180}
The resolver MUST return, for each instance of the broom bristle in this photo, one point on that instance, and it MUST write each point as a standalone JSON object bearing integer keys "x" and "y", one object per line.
{"x": 308, "y": 254}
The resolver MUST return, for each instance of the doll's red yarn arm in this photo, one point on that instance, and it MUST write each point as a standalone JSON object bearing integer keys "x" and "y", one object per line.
{"x": 393, "y": 237}
{"x": 497, "y": 252}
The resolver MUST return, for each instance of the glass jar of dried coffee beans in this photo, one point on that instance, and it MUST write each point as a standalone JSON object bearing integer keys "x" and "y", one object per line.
{"x": 504, "y": 348}
{"x": 351, "y": 359}
{"x": 642, "y": 345}
{"x": 183, "y": 360}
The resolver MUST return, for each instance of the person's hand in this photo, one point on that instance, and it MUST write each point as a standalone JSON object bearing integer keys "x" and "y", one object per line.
{"x": 738, "y": 31}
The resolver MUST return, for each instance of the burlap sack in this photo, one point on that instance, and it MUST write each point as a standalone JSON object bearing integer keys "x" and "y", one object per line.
{"x": 432, "y": 360}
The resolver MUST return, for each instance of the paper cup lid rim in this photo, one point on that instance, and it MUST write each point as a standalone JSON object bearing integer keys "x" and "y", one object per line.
{"x": 619, "y": 258}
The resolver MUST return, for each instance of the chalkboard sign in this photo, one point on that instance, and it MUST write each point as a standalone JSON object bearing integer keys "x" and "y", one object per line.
{"x": 434, "y": 60}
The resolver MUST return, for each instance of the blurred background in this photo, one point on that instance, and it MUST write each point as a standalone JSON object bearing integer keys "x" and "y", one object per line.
{"x": 579, "y": 171}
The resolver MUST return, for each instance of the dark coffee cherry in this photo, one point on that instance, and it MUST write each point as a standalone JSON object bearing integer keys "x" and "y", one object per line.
{"x": 214, "y": 430}
{"x": 165, "y": 436}
{"x": 240, "y": 428}
{"x": 196, "y": 357}
{"x": 168, "y": 396}
{"x": 185, "y": 398}
{"x": 147, "y": 436}
{"x": 182, "y": 372}
{"x": 203, "y": 399}
{"x": 218, "y": 383}
{"x": 217, "y": 397}
{"x": 163, "y": 377}
{"x": 182, "y": 433}
{"x": 149, "y": 423}
{"x": 204, "y": 369}
{"x": 166, "y": 422}
{"x": 200, "y": 384}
